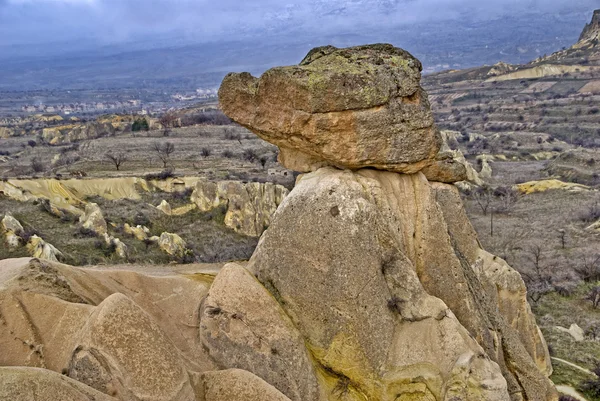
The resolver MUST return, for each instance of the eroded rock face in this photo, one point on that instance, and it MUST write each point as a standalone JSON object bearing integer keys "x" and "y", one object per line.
{"x": 364, "y": 265}
{"x": 243, "y": 326}
{"x": 140, "y": 346}
{"x": 172, "y": 244}
{"x": 248, "y": 207}
{"x": 25, "y": 384}
{"x": 42, "y": 249}
{"x": 122, "y": 351}
{"x": 12, "y": 229}
{"x": 238, "y": 385}
{"x": 92, "y": 219}
{"x": 355, "y": 107}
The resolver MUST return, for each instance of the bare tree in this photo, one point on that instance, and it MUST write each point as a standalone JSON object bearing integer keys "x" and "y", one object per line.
{"x": 117, "y": 158}
{"x": 483, "y": 197}
{"x": 164, "y": 151}
{"x": 167, "y": 121}
{"x": 589, "y": 268}
{"x": 539, "y": 280}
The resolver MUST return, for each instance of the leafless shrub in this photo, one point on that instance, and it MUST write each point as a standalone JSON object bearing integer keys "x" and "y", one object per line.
{"x": 164, "y": 151}
{"x": 591, "y": 214}
{"x": 589, "y": 268}
{"x": 117, "y": 158}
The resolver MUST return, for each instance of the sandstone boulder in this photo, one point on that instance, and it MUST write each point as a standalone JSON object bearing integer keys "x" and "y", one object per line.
{"x": 238, "y": 385}
{"x": 449, "y": 165}
{"x": 244, "y": 327}
{"x": 505, "y": 288}
{"x": 172, "y": 244}
{"x": 12, "y": 231}
{"x": 248, "y": 206}
{"x": 486, "y": 169}
{"x": 574, "y": 331}
{"x": 9, "y": 223}
{"x": 26, "y": 384}
{"x": 42, "y": 249}
{"x": 354, "y": 107}
{"x": 139, "y": 232}
{"x": 123, "y": 352}
{"x": 164, "y": 207}
{"x": 119, "y": 246}
{"x": 92, "y": 219}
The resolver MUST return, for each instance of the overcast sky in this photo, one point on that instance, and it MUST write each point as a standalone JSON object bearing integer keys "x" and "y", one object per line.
{"x": 118, "y": 21}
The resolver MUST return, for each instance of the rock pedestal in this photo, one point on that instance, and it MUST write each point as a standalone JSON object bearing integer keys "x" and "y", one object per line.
{"x": 378, "y": 269}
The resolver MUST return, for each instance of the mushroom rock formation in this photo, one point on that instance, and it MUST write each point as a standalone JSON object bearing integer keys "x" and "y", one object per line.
{"x": 352, "y": 108}
{"x": 378, "y": 269}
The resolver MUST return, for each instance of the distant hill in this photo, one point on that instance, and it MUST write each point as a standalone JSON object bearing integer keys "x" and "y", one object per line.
{"x": 179, "y": 63}
{"x": 585, "y": 52}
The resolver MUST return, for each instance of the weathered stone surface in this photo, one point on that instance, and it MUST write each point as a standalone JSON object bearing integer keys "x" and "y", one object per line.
{"x": 574, "y": 331}
{"x": 447, "y": 167}
{"x": 164, "y": 207}
{"x": 26, "y": 384}
{"x": 450, "y": 166}
{"x": 486, "y": 169}
{"x": 119, "y": 246}
{"x": 355, "y": 107}
{"x": 42, "y": 249}
{"x": 504, "y": 301}
{"x": 238, "y": 385}
{"x": 248, "y": 206}
{"x": 39, "y": 330}
{"x": 76, "y": 132}
{"x": 139, "y": 232}
{"x": 123, "y": 352}
{"x": 244, "y": 327}
{"x": 12, "y": 230}
{"x": 335, "y": 259}
{"x": 9, "y": 223}
{"x": 46, "y": 310}
{"x": 92, "y": 219}
{"x": 172, "y": 244}
{"x": 362, "y": 259}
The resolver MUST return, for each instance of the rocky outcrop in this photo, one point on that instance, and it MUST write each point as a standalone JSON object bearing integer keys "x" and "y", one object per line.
{"x": 367, "y": 285}
{"x": 92, "y": 219}
{"x": 122, "y": 351}
{"x": 449, "y": 165}
{"x": 248, "y": 207}
{"x": 379, "y": 271}
{"x": 531, "y": 187}
{"x": 114, "y": 333}
{"x": 574, "y": 331}
{"x": 373, "y": 248}
{"x": 76, "y": 132}
{"x": 139, "y": 232}
{"x": 486, "y": 170}
{"x": 38, "y": 248}
{"x": 164, "y": 207}
{"x": 12, "y": 231}
{"x": 243, "y": 326}
{"x": 172, "y": 244}
{"x": 591, "y": 31}
{"x": 501, "y": 68}
{"x": 352, "y": 108}
{"x": 119, "y": 247}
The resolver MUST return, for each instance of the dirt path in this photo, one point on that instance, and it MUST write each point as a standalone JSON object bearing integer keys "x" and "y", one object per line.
{"x": 570, "y": 391}
{"x": 589, "y": 372}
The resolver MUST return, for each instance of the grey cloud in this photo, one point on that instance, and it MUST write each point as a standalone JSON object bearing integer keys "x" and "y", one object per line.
{"x": 115, "y": 21}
